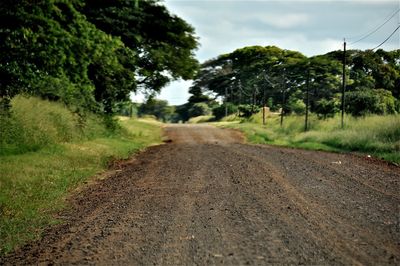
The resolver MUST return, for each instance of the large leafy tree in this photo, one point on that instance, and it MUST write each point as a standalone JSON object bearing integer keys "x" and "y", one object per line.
{"x": 164, "y": 43}
{"x": 254, "y": 74}
{"x": 91, "y": 54}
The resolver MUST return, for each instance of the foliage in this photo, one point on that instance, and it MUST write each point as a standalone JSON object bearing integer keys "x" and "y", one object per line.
{"x": 247, "y": 110}
{"x": 34, "y": 124}
{"x": 164, "y": 42}
{"x": 362, "y": 102}
{"x": 295, "y": 104}
{"x": 374, "y": 135}
{"x": 159, "y": 108}
{"x": 219, "y": 111}
{"x": 255, "y": 74}
{"x": 327, "y": 108}
{"x": 35, "y": 184}
{"x": 199, "y": 109}
{"x": 91, "y": 54}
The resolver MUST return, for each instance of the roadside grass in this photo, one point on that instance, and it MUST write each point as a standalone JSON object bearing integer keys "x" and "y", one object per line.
{"x": 375, "y": 135}
{"x": 35, "y": 183}
{"x": 201, "y": 119}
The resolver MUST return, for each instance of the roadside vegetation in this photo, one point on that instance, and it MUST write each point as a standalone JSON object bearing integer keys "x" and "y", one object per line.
{"x": 46, "y": 153}
{"x": 67, "y": 68}
{"x": 374, "y": 135}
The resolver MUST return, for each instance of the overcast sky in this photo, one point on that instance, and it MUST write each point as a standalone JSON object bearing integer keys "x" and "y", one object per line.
{"x": 311, "y": 27}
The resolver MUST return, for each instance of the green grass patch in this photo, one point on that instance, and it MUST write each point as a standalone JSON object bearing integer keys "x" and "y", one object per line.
{"x": 201, "y": 119}
{"x": 375, "y": 135}
{"x": 34, "y": 184}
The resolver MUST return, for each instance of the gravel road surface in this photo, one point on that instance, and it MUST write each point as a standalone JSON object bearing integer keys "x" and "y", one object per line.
{"x": 206, "y": 198}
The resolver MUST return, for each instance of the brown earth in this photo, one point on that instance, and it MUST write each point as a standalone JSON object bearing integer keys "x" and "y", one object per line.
{"x": 207, "y": 198}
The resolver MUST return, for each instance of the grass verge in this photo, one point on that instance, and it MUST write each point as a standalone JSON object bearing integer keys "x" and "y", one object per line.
{"x": 374, "y": 135}
{"x": 34, "y": 184}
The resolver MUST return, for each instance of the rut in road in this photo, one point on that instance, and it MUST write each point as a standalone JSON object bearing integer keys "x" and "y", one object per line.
{"x": 207, "y": 198}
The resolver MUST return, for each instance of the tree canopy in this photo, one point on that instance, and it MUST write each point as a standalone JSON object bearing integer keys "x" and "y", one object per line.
{"x": 91, "y": 54}
{"x": 269, "y": 75}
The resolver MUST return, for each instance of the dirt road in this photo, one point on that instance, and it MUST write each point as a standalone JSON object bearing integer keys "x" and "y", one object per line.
{"x": 207, "y": 198}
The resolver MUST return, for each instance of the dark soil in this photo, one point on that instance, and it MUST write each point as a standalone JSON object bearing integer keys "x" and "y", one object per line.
{"x": 207, "y": 198}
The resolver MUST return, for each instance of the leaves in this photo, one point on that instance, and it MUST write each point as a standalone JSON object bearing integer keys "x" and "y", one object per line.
{"x": 58, "y": 49}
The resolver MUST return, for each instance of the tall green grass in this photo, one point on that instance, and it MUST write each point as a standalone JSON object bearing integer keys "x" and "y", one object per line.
{"x": 375, "y": 135}
{"x": 35, "y": 179}
{"x": 35, "y": 123}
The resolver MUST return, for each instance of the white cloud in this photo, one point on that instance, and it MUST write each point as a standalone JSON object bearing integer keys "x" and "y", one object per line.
{"x": 284, "y": 21}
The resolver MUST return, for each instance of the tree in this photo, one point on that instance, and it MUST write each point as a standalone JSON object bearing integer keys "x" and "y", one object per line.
{"x": 159, "y": 108}
{"x": 164, "y": 43}
{"x": 327, "y": 108}
{"x": 199, "y": 109}
{"x": 219, "y": 111}
{"x": 91, "y": 54}
{"x": 252, "y": 75}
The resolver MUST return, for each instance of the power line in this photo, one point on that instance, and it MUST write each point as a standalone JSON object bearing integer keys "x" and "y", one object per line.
{"x": 372, "y": 32}
{"x": 387, "y": 38}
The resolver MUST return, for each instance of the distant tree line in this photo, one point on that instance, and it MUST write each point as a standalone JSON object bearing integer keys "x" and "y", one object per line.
{"x": 91, "y": 54}
{"x": 251, "y": 77}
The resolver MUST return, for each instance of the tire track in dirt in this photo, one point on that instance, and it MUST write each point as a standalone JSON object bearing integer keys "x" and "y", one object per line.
{"x": 327, "y": 220}
{"x": 205, "y": 198}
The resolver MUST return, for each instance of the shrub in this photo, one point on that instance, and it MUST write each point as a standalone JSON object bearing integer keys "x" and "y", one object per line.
{"x": 219, "y": 111}
{"x": 362, "y": 102}
{"x": 247, "y": 110}
{"x": 199, "y": 109}
{"x": 326, "y": 108}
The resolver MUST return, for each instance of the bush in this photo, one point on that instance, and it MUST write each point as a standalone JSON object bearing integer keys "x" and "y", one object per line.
{"x": 199, "y": 109}
{"x": 326, "y": 108}
{"x": 359, "y": 103}
{"x": 296, "y": 106}
{"x": 219, "y": 111}
{"x": 362, "y": 102}
{"x": 247, "y": 110}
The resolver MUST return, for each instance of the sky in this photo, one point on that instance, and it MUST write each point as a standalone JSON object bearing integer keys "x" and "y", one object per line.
{"x": 309, "y": 26}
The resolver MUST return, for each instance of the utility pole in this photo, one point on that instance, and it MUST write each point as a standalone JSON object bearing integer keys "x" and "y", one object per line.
{"x": 226, "y": 101}
{"x": 264, "y": 106}
{"x": 254, "y": 98}
{"x": 307, "y": 99}
{"x": 283, "y": 98}
{"x": 343, "y": 81}
{"x": 240, "y": 96}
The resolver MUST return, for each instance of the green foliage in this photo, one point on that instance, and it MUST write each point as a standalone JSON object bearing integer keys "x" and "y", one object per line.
{"x": 158, "y": 108}
{"x": 127, "y": 108}
{"x": 271, "y": 105}
{"x": 34, "y": 184}
{"x": 34, "y": 124}
{"x": 386, "y": 102}
{"x": 361, "y": 102}
{"x": 247, "y": 110}
{"x": 295, "y": 104}
{"x": 91, "y": 54}
{"x": 164, "y": 42}
{"x": 364, "y": 101}
{"x": 219, "y": 111}
{"x": 251, "y": 75}
{"x": 199, "y": 109}
{"x": 327, "y": 108}
{"x": 374, "y": 135}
